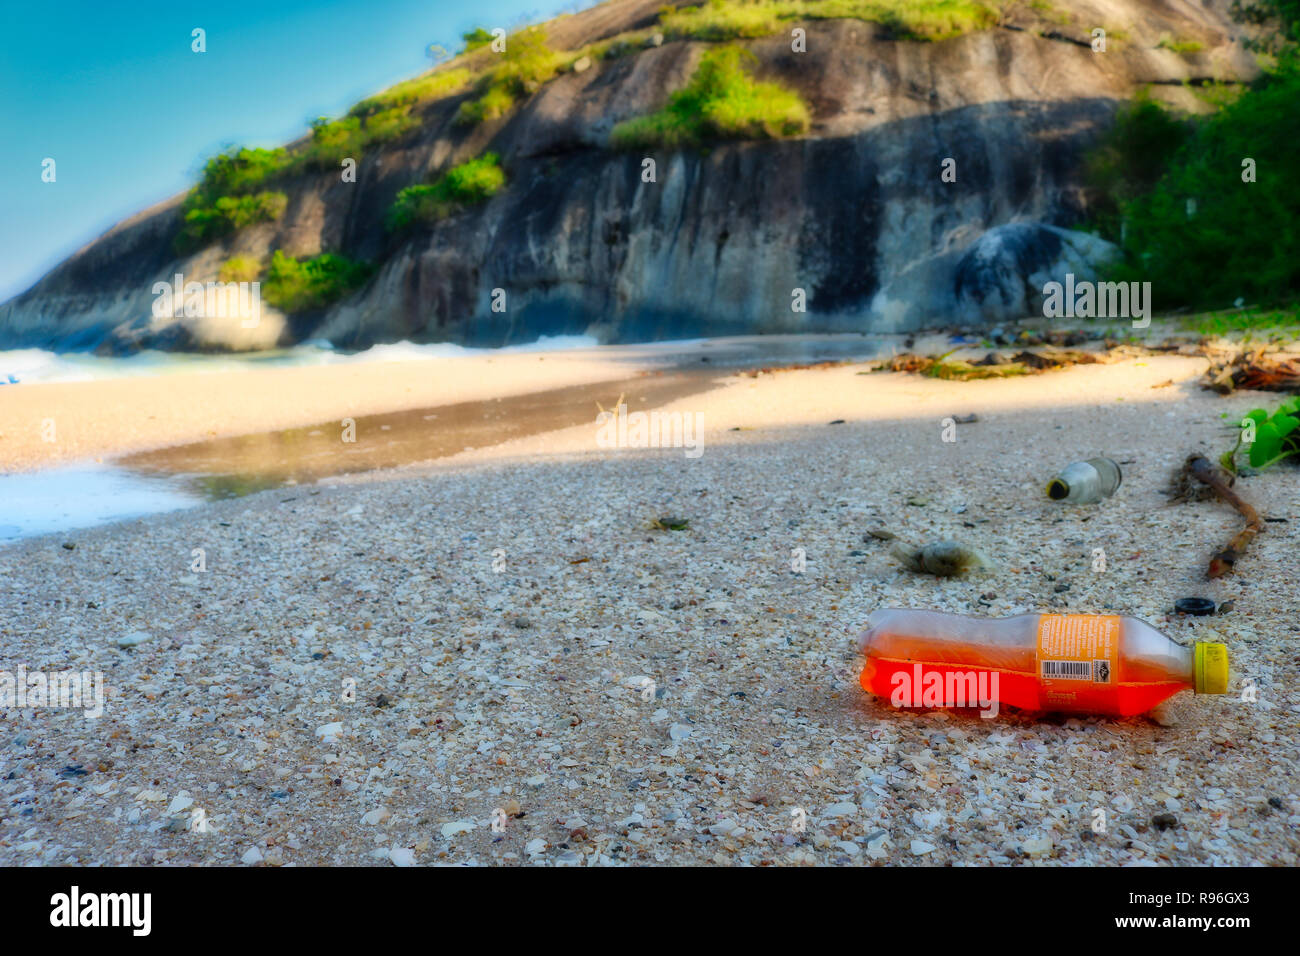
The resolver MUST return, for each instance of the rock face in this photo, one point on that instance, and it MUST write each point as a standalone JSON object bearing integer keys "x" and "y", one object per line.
{"x": 999, "y": 276}
{"x": 857, "y": 214}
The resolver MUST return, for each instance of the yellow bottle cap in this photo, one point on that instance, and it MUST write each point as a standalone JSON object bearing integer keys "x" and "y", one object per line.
{"x": 1211, "y": 668}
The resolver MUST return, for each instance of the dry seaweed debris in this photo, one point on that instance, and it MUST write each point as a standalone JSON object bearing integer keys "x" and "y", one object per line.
{"x": 670, "y": 523}
{"x": 1198, "y": 470}
{"x": 960, "y": 370}
{"x": 944, "y": 559}
{"x": 1252, "y": 369}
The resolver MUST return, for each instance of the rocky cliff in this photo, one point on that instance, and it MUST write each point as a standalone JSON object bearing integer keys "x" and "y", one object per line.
{"x": 856, "y": 212}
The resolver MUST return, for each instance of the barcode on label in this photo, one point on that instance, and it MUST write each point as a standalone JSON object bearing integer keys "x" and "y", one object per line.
{"x": 1067, "y": 670}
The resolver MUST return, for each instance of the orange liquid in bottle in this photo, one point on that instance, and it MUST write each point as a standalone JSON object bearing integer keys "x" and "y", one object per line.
{"x": 1070, "y": 663}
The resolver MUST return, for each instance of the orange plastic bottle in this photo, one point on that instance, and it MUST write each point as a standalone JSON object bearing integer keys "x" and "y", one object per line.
{"x": 1072, "y": 663}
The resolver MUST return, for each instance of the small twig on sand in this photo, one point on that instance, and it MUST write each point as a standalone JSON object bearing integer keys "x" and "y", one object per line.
{"x": 1199, "y": 467}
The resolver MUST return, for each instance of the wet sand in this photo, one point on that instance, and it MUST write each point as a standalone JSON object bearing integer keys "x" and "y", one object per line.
{"x": 227, "y": 467}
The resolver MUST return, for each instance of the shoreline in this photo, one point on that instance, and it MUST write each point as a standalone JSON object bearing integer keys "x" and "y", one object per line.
{"x": 110, "y": 418}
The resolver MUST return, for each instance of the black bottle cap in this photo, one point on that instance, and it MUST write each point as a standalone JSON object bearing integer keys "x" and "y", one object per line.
{"x": 1194, "y": 605}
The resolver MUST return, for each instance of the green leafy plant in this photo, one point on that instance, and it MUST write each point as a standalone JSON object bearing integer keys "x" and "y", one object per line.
{"x": 293, "y": 285}
{"x": 1205, "y": 208}
{"x": 1283, "y": 16}
{"x": 1277, "y": 436}
{"x": 721, "y": 101}
{"x": 470, "y": 182}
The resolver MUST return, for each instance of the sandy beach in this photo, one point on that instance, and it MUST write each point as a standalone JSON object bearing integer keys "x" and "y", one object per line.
{"x": 371, "y": 667}
{"x": 108, "y": 417}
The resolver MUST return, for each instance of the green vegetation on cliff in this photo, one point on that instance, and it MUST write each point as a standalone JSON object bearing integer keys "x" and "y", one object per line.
{"x": 908, "y": 19}
{"x": 468, "y": 183}
{"x": 410, "y": 93}
{"x": 721, "y": 101}
{"x": 332, "y": 141}
{"x": 1282, "y": 17}
{"x": 227, "y": 196}
{"x": 240, "y": 269}
{"x": 1180, "y": 44}
{"x": 475, "y": 38}
{"x": 224, "y": 200}
{"x": 294, "y": 285}
{"x": 525, "y": 65}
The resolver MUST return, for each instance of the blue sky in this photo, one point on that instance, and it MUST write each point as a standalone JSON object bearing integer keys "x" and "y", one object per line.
{"x": 113, "y": 93}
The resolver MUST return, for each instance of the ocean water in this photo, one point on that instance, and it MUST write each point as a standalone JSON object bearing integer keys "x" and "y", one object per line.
{"x": 60, "y": 499}
{"x": 38, "y": 366}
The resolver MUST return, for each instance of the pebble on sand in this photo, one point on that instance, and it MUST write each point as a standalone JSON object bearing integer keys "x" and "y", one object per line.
{"x": 181, "y": 802}
{"x": 1038, "y": 847}
{"x": 329, "y": 732}
{"x": 401, "y": 856}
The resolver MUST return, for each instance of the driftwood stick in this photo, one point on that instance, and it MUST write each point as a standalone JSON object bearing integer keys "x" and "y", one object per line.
{"x": 1199, "y": 467}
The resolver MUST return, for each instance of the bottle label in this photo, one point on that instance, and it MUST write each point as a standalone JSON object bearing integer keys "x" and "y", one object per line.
{"x": 1077, "y": 658}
